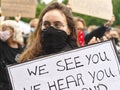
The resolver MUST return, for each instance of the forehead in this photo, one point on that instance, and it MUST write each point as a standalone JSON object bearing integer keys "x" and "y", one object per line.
{"x": 54, "y": 15}
{"x": 79, "y": 24}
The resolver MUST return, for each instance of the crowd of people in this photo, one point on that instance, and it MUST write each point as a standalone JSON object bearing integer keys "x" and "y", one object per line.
{"x": 55, "y": 31}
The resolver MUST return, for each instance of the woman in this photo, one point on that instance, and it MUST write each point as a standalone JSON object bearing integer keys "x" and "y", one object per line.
{"x": 10, "y": 48}
{"x": 33, "y": 24}
{"x": 55, "y": 32}
{"x": 80, "y": 30}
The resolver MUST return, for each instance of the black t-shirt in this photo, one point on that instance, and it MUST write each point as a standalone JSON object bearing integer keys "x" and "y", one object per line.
{"x": 7, "y": 56}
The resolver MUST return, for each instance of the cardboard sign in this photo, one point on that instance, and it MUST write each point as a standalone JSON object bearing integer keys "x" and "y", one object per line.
{"x": 97, "y": 8}
{"x": 27, "y": 8}
{"x": 93, "y": 67}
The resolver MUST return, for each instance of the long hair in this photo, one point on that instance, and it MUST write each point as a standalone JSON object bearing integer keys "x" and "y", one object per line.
{"x": 35, "y": 48}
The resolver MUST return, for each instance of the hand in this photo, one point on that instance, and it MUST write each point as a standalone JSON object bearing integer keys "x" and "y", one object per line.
{"x": 18, "y": 17}
{"x": 104, "y": 38}
{"x": 110, "y": 22}
{"x": 94, "y": 40}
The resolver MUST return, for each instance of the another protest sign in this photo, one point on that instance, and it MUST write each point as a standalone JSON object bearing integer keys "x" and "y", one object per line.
{"x": 27, "y": 8}
{"x": 97, "y": 8}
{"x": 94, "y": 67}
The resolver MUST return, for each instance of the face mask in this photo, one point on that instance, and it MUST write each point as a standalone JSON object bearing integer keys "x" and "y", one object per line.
{"x": 32, "y": 29}
{"x": 80, "y": 38}
{"x": 5, "y": 35}
{"x": 53, "y": 40}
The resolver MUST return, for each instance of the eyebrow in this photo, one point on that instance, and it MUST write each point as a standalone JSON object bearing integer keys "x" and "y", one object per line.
{"x": 54, "y": 21}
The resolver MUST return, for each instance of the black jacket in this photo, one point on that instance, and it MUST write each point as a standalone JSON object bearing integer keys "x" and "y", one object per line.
{"x": 7, "y": 56}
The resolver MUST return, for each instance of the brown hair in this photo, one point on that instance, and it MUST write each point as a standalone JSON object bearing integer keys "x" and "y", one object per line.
{"x": 77, "y": 19}
{"x": 35, "y": 48}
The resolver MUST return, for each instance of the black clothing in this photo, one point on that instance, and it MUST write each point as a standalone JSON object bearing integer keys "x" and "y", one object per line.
{"x": 7, "y": 56}
{"x": 98, "y": 33}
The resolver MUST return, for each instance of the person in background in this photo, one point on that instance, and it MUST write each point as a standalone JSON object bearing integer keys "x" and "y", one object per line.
{"x": 55, "y": 33}
{"x": 115, "y": 35}
{"x": 80, "y": 30}
{"x": 10, "y": 48}
{"x": 33, "y": 25}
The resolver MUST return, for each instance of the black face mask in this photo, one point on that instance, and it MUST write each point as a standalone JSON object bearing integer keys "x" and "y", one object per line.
{"x": 53, "y": 40}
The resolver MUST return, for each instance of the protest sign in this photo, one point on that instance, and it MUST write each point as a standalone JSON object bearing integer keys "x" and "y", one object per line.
{"x": 97, "y": 8}
{"x": 26, "y": 8}
{"x": 94, "y": 67}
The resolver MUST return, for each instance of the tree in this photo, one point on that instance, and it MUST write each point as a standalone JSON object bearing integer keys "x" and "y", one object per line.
{"x": 40, "y": 7}
{"x": 116, "y": 11}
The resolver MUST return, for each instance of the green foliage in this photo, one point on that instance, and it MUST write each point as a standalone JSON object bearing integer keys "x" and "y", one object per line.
{"x": 40, "y": 7}
{"x": 116, "y": 11}
{"x": 65, "y": 2}
{"x": 26, "y": 19}
{"x": 39, "y": 1}
{"x": 54, "y": 0}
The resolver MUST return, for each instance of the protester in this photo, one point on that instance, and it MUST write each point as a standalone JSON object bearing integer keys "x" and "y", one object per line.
{"x": 55, "y": 33}
{"x": 80, "y": 30}
{"x": 10, "y": 48}
{"x": 115, "y": 35}
{"x": 33, "y": 25}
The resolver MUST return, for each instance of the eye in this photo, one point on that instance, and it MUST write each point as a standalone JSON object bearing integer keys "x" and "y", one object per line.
{"x": 81, "y": 29}
{"x": 46, "y": 24}
{"x": 58, "y": 24}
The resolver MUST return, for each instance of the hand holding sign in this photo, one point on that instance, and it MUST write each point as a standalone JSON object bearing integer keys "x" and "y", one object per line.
{"x": 93, "y": 67}
{"x": 18, "y": 17}
{"x": 110, "y": 22}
